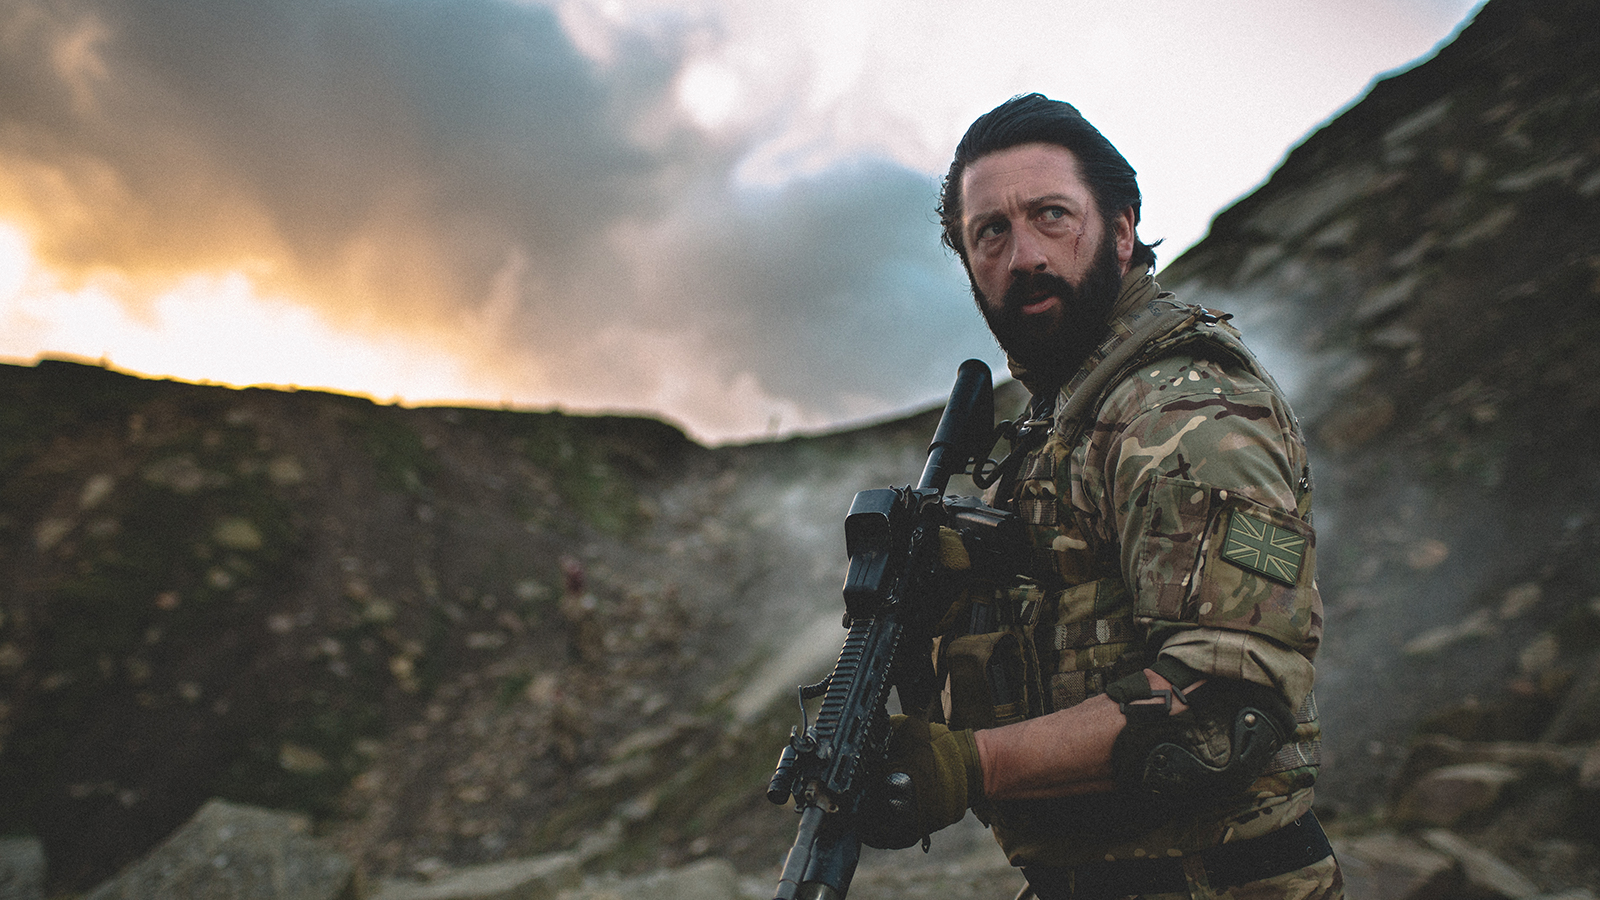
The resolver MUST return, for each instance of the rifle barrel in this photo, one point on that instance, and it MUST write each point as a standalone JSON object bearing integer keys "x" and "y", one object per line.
{"x": 794, "y": 867}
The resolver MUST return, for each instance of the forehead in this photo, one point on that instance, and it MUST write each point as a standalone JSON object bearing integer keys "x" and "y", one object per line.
{"x": 1019, "y": 174}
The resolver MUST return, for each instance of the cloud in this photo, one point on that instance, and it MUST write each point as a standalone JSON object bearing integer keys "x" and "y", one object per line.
{"x": 319, "y": 135}
{"x": 713, "y": 211}
{"x": 463, "y": 172}
{"x": 826, "y": 284}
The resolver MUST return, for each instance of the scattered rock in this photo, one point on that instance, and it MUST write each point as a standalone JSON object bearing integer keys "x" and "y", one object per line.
{"x": 1581, "y": 707}
{"x": 21, "y": 869}
{"x": 1478, "y": 625}
{"x": 1484, "y": 871}
{"x": 708, "y": 879}
{"x": 233, "y": 852}
{"x": 1387, "y": 866}
{"x": 537, "y": 878}
{"x": 1447, "y": 796}
{"x": 1384, "y": 301}
{"x": 1360, "y": 420}
{"x": 1544, "y": 760}
{"x": 1589, "y": 770}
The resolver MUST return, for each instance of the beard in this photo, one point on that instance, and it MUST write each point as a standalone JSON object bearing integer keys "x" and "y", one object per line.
{"x": 1051, "y": 346}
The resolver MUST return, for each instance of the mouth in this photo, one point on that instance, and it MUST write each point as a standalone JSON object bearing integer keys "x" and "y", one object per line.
{"x": 1034, "y": 307}
{"x": 1036, "y": 294}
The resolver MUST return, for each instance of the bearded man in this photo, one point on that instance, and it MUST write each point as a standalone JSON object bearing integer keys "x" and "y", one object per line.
{"x": 1132, "y": 713}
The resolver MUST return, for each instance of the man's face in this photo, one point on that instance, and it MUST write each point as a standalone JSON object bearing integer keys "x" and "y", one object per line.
{"x": 1045, "y": 266}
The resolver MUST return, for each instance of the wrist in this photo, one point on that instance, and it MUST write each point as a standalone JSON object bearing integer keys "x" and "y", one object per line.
{"x": 983, "y": 751}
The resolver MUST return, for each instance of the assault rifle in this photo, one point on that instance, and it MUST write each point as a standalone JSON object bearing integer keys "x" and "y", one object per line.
{"x": 892, "y": 537}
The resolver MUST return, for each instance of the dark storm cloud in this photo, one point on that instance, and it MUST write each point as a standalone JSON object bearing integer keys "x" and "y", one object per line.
{"x": 831, "y": 282}
{"x": 428, "y": 163}
{"x": 331, "y": 123}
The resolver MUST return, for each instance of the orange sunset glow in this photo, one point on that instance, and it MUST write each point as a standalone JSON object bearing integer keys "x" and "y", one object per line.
{"x": 716, "y": 213}
{"x": 219, "y": 329}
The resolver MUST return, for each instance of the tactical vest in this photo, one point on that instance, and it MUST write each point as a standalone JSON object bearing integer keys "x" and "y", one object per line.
{"x": 1070, "y": 628}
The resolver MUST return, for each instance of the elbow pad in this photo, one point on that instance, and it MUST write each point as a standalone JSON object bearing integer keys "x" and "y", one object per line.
{"x": 1207, "y": 753}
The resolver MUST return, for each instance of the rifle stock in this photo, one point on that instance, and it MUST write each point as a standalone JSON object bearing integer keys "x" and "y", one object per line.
{"x": 892, "y": 537}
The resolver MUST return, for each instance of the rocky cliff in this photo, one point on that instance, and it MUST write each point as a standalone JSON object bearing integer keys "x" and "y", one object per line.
{"x": 451, "y": 634}
{"x": 1426, "y": 269}
{"x": 458, "y": 636}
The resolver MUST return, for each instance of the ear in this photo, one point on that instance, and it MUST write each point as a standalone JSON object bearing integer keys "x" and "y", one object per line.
{"x": 1123, "y": 226}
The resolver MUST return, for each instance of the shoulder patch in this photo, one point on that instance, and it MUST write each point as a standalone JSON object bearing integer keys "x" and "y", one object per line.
{"x": 1263, "y": 548}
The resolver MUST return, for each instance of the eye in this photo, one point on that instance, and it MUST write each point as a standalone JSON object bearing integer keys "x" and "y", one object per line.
{"x": 991, "y": 229}
{"x": 1053, "y": 213}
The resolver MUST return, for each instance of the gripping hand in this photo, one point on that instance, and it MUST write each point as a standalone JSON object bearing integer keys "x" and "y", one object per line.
{"x": 929, "y": 780}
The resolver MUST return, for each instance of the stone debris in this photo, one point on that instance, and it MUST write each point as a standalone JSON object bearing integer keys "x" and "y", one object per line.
{"x": 233, "y": 852}
{"x": 538, "y": 878}
{"x": 1388, "y": 866}
{"x": 1483, "y": 870}
{"x": 21, "y": 869}
{"x": 1445, "y": 797}
{"x": 707, "y": 879}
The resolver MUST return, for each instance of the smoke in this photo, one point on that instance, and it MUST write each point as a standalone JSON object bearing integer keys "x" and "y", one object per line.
{"x": 465, "y": 174}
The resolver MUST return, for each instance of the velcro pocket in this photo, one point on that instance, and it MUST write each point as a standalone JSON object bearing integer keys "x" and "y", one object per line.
{"x": 1221, "y": 560}
{"x": 1258, "y": 574}
{"x": 1168, "y": 556}
{"x": 989, "y": 679}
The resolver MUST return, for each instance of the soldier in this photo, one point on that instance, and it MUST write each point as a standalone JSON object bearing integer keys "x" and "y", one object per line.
{"x": 1132, "y": 713}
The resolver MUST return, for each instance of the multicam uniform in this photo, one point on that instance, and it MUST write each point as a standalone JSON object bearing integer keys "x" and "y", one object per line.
{"x": 1170, "y": 518}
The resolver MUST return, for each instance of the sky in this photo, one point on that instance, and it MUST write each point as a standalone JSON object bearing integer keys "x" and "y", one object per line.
{"x": 716, "y": 212}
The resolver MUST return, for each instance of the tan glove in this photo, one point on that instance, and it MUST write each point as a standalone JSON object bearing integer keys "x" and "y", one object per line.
{"x": 930, "y": 779}
{"x": 953, "y": 556}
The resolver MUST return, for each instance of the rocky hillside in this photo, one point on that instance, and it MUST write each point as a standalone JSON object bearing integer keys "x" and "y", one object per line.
{"x": 1427, "y": 268}
{"x": 458, "y": 636}
{"x": 452, "y": 635}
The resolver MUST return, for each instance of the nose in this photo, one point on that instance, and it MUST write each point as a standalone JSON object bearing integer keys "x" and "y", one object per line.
{"x": 1027, "y": 252}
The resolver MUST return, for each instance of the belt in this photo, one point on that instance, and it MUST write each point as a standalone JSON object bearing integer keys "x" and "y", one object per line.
{"x": 1291, "y": 847}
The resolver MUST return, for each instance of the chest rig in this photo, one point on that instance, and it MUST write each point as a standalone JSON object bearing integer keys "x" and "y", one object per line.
{"x": 1066, "y": 629}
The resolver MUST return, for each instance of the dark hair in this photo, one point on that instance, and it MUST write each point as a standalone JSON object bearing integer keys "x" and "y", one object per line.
{"x": 1035, "y": 118}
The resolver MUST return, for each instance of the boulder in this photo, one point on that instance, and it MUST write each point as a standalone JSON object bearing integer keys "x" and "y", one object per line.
{"x": 233, "y": 852}
{"x": 1448, "y": 795}
{"x": 21, "y": 869}
{"x": 708, "y": 879}
{"x": 536, "y": 878}
{"x": 1386, "y": 866}
{"x": 1485, "y": 872}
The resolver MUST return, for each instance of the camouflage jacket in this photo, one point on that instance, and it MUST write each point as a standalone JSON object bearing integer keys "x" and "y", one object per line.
{"x": 1168, "y": 513}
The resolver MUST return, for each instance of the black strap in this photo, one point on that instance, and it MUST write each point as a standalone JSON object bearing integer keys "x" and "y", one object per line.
{"x": 1286, "y": 850}
{"x": 1023, "y": 436}
{"x": 1292, "y": 847}
{"x": 1177, "y": 674}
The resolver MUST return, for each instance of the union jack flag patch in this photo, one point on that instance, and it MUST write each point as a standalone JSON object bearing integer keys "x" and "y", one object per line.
{"x": 1263, "y": 548}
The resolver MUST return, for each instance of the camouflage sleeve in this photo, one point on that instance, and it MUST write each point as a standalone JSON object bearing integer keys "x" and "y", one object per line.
{"x": 1199, "y": 471}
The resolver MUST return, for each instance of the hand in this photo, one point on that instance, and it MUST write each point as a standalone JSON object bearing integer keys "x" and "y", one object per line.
{"x": 929, "y": 780}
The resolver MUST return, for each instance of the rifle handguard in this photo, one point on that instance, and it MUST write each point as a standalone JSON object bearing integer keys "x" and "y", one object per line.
{"x": 894, "y": 540}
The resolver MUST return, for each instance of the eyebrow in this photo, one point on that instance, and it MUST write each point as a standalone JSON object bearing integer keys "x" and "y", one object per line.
{"x": 1030, "y": 204}
{"x": 1052, "y": 200}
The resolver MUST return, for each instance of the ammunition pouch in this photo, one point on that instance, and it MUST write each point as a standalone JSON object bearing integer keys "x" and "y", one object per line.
{"x": 989, "y": 678}
{"x": 1024, "y": 652}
